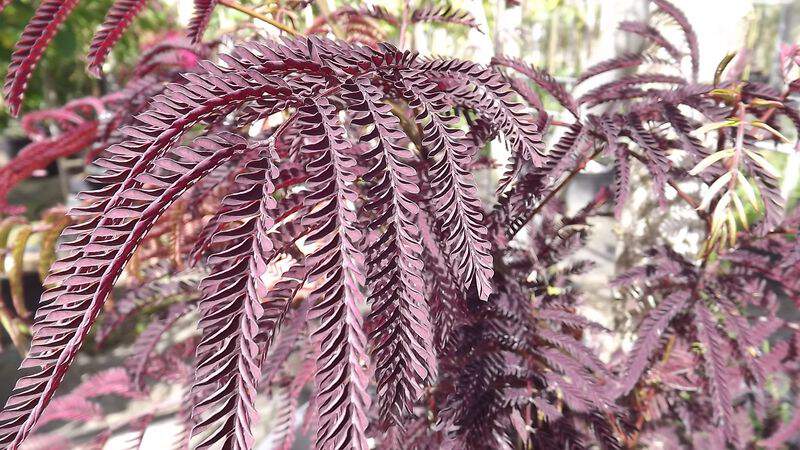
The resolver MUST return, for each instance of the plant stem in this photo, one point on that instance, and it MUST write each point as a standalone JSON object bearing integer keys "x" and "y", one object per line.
{"x": 257, "y": 15}
{"x": 566, "y": 181}
{"x": 404, "y": 25}
{"x": 683, "y": 195}
{"x": 323, "y": 8}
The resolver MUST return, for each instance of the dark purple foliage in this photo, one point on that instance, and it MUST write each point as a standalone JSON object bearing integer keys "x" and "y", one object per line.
{"x": 347, "y": 252}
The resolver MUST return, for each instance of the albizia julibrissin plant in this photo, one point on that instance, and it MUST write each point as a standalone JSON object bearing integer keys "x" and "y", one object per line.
{"x": 324, "y": 192}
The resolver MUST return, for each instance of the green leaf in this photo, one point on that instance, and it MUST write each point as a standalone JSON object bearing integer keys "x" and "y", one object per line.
{"x": 764, "y": 126}
{"x": 717, "y": 125}
{"x": 737, "y": 204}
{"x": 721, "y": 67}
{"x": 711, "y": 159}
{"x": 720, "y": 211}
{"x": 714, "y": 189}
{"x": 761, "y": 161}
{"x": 748, "y": 189}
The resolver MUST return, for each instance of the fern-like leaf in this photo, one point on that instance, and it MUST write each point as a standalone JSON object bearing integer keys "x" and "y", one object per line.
{"x": 688, "y": 32}
{"x": 229, "y": 356}
{"x": 341, "y": 378}
{"x": 117, "y": 20}
{"x": 656, "y": 157}
{"x": 650, "y": 332}
{"x": 653, "y": 35}
{"x": 622, "y": 179}
{"x": 542, "y": 79}
{"x": 625, "y": 61}
{"x": 716, "y": 366}
{"x": 84, "y": 280}
{"x": 455, "y": 194}
{"x": 146, "y": 342}
{"x": 202, "y": 15}
{"x": 36, "y": 36}
{"x": 400, "y": 328}
{"x": 443, "y": 14}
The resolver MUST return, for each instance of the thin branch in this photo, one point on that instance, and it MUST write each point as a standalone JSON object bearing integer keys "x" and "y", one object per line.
{"x": 330, "y": 19}
{"x": 566, "y": 181}
{"x": 257, "y": 15}
{"x": 683, "y": 195}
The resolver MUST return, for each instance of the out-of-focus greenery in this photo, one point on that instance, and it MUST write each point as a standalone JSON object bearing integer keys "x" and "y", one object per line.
{"x": 61, "y": 74}
{"x": 769, "y": 23}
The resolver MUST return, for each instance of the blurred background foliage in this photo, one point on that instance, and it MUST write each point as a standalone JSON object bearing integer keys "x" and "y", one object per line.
{"x": 61, "y": 74}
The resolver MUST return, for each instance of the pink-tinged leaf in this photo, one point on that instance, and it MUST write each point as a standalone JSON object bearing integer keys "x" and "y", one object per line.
{"x": 148, "y": 339}
{"x": 230, "y": 354}
{"x": 622, "y": 179}
{"x": 650, "y": 333}
{"x": 625, "y": 61}
{"x": 399, "y": 325}
{"x": 202, "y": 15}
{"x": 40, "y": 154}
{"x": 443, "y": 14}
{"x": 542, "y": 79}
{"x": 628, "y": 82}
{"x": 786, "y": 432}
{"x": 4, "y": 3}
{"x": 716, "y": 372}
{"x": 341, "y": 377}
{"x": 688, "y": 32}
{"x": 455, "y": 193}
{"x": 36, "y": 36}
{"x": 117, "y": 20}
{"x": 652, "y": 34}
{"x": 22, "y": 410}
{"x": 656, "y": 156}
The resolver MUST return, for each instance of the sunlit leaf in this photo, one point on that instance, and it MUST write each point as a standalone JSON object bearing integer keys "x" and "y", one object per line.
{"x": 711, "y": 159}
{"x": 714, "y": 189}
{"x": 761, "y": 161}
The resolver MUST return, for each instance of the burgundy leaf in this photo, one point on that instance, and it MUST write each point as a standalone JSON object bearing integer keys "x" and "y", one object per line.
{"x": 36, "y": 36}
{"x": 688, "y": 31}
{"x": 202, "y": 15}
{"x": 455, "y": 193}
{"x": 117, "y": 20}
{"x": 341, "y": 378}
{"x": 715, "y": 365}
{"x": 650, "y": 333}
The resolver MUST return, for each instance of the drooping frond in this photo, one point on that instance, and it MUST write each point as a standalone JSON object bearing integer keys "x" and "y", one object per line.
{"x": 117, "y": 20}
{"x": 85, "y": 277}
{"x": 338, "y": 270}
{"x": 455, "y": 194}
{"x": 229, "y": 355}
{"x": 202, "y": 15}
{"x": 36, "y": 36}
{"x": 688, "y": 32}
{"x": 399, "y": 324}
